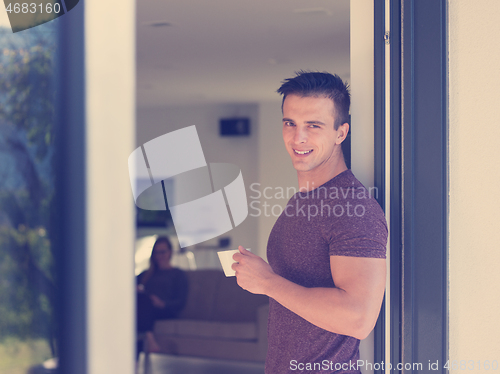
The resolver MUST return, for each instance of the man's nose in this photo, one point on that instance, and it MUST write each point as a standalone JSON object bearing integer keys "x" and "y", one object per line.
{"x": 300, "y": 135}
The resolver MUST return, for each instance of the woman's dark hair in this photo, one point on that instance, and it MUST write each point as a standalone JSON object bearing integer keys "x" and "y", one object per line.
{"x": 307, "y": 83}
{"x": 153, "y": 266}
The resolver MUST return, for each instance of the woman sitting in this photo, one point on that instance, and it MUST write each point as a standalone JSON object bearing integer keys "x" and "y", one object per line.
{"x": 161, "y": 293}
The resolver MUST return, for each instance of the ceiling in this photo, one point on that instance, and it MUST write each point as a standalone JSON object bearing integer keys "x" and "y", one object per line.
{"x": 234, "y": 51}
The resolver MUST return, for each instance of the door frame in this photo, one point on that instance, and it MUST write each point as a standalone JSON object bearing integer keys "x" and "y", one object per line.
{"x": 416, "y": 85}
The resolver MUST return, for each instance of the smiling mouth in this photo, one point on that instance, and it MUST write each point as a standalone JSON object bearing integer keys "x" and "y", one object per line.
{"x": 302, "y": 152}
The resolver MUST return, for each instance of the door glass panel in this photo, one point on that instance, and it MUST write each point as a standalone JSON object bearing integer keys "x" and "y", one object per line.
{"x": 204, "y": 63}
{"x": 28, "y": 282}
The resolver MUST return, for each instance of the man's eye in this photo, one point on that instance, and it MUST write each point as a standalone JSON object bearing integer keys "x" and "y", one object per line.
{"x": 288, "y": 123}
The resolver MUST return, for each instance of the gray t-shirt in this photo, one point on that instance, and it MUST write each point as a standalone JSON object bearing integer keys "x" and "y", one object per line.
{"x": 339, "y": 218}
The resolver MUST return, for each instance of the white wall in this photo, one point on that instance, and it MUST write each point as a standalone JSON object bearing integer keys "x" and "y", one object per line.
{"x": 110, "y": 112}
{"x": 474, "y": 176}
{"x": 241, "y": 151}
{"x": 362, "y": 115}
{"x": 275, "y": 171}
{"x": 362, "y": 90}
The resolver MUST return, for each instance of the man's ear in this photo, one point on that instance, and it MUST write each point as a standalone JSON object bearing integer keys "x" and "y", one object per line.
{"x": 342, "y": 132}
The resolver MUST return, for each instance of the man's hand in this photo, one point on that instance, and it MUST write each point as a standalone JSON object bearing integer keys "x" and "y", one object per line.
{"x": 350, "y": 308}
{"x": 252, "y": 272}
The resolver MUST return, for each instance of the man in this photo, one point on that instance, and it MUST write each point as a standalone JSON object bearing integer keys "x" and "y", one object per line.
{"x": 326, "y": 252}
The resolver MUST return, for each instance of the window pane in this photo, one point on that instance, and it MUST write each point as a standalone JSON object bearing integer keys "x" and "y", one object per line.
{"x": 28, "y": 283}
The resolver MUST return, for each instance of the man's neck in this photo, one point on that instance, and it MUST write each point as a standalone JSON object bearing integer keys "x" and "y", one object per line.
{"x": 310, "y": 180}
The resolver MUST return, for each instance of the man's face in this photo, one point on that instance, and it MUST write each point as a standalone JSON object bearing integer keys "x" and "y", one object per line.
{"x": 309, "y": 134}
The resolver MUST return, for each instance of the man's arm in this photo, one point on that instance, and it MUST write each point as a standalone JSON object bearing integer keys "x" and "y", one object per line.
{"x": 351, "y": 308}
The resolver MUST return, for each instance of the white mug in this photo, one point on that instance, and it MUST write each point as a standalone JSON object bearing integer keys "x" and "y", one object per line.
{"x": 226, "y": 259}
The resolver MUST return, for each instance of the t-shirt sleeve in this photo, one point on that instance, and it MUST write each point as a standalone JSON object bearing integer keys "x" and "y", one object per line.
{"x": 359, "y": 235}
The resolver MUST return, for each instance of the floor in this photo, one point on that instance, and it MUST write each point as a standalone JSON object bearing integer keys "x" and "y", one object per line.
{"x": 165, "y": 364}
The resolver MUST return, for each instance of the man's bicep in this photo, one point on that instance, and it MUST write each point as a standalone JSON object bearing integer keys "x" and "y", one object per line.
{"x": 362, "y": 278}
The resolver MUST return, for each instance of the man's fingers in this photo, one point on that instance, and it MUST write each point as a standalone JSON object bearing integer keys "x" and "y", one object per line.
{"x": 245, "y": 252}
{"x": 242, "y": 252}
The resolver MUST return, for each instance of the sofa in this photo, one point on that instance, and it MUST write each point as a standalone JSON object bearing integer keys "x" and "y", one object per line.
{"x": 220, "y": 320}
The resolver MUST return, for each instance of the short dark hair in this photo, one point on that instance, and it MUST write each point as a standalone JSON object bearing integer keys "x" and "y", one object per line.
{"x": 307, "y": 83}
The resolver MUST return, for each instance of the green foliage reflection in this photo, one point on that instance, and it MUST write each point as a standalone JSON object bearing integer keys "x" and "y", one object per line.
{"x": 27, "y": 97}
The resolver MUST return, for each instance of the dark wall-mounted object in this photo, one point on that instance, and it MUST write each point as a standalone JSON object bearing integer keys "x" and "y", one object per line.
{"x": 234, "y": 127}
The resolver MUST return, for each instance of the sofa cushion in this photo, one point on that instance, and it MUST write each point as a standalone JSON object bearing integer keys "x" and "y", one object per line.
{"x": 214, "y": 297}
{"x": 234, "y": 304}
{"x": 240, "y": 350}
{"x": 207, "y": 329}
{"x": 202, "y": 288}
